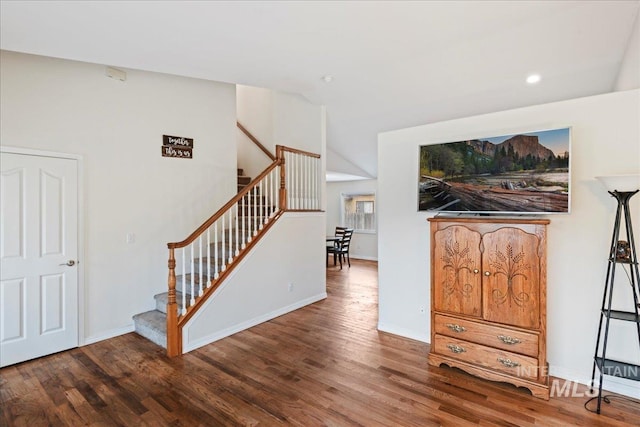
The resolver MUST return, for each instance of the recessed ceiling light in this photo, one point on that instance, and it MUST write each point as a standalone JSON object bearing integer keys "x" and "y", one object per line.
{"x": 328, "y": 78}
{"x": 533, "y": 79}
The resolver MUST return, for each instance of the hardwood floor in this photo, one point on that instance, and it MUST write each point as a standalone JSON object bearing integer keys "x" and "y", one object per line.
{"x": 325, "y": 364}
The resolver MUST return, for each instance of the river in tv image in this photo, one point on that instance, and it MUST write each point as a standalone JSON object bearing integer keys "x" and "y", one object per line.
{"x": 524, "y": 191}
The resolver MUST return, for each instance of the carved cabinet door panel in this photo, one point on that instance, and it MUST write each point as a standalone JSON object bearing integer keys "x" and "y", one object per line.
{"x": 511, "y": 277}
{"x": 456, "y": 271}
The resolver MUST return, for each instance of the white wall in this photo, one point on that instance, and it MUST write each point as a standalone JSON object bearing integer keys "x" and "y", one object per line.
{"x": 261, "y": 282}
{"x": 255, "y": 112}
{"x": 629, "y": 75}
{"x": 293, "y": 250}
{"x": 605, "y": 141}
{"x": 117, "y": 127}
{"x": 363, "y": 245}
{"x": 278, "y": 118}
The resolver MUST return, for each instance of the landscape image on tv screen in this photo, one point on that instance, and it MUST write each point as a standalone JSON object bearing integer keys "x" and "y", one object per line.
{"x": 519, "y": 173}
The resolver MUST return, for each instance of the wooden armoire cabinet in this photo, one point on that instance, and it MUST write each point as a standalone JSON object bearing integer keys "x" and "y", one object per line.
{"x": 488, "y": 298}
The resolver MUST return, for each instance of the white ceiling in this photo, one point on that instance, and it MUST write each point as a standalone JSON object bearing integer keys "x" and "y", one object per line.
{"x": 394, "y": 64}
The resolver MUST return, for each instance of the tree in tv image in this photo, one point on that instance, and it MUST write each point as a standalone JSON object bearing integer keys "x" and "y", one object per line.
{"x": 527, "y": 172}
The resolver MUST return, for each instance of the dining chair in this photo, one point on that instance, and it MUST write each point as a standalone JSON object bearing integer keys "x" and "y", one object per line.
{"x": 333, "y": 244}
{"x": 341, "y": 249}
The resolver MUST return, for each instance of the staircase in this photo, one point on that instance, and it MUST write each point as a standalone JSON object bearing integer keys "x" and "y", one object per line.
{"x": 199, "y": 264}
{"x": 153, "y": 324}
{"x": 243, "y": 180}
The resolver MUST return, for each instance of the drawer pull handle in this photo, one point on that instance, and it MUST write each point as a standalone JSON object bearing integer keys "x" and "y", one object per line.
{"x": 509, "y": 340}
{"x": 456, "y": 328}
{"x": 508, "y": 363}
{"x": 456, "y": 348}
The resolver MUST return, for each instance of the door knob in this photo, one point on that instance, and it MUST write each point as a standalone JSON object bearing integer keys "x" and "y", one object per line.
{"x": 69, "y": 263}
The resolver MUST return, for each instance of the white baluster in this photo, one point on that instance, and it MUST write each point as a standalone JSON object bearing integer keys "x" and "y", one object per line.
{"x": 290, "y": 170}
{"x": 303, "y": 179}
{"x": 271, "y": 196}
{"x": 255, "y": 211}
{"x": 312, "y": 183}
{"x": 237, "y": 252}
{"x": 316, "y": 178}
{"x": 184, "y": 281}
{"x": 294, "y": 183}
{"x": 215, "y": 250}
{"x": 261, "y": 208}
{"x": 267, "y": 195}
{"x": 244, "y": 222}
{"x": 287, "y": 169}
{"x": 200, "y": 265}
{"x": 307, "y": 182}
{"x": 223, "y": 247}
{"x": 277, "y": 171}
{"x": 192, "y": 301}
{"x": 230, "y": 236}
{"x": 208, "y": 257}
{"x": 298, "y": 182}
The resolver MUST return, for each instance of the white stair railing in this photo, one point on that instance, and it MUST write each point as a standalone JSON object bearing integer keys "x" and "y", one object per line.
{"x": 302, "y": 171}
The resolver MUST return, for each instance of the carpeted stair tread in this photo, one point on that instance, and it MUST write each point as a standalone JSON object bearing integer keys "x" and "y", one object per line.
{"x": 163, "y": 299}
{"x": 153, "y": 326}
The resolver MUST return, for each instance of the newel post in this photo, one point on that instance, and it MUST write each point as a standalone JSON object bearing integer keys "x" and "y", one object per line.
{"x": 283, "y": 188}
{"x": 173, "y": 340}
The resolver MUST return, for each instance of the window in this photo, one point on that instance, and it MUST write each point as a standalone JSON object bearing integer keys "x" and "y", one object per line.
{"x": 358, "y": 212}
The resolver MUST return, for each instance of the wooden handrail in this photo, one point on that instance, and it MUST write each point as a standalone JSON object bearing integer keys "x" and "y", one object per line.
{"x": 295, "y": 150}
{"x": 255, "y": 141}
{"x": 193, "y": 236}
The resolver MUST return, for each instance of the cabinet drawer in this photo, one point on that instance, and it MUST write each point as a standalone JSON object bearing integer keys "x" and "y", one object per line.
{"x": 492, "y": 336}
{"x": 492, "y": 358}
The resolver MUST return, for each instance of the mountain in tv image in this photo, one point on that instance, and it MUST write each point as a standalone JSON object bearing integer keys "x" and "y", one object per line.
{"x": 514, "y": 173}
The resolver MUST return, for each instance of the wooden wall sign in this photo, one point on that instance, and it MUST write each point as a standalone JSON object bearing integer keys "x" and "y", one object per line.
{"x": 177, "y": 146}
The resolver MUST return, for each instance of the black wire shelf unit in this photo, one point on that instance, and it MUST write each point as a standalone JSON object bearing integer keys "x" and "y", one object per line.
{"x": 622, "y": 256}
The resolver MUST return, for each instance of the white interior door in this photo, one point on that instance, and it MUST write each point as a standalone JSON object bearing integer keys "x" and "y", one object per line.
{"x": 38, "y": 256}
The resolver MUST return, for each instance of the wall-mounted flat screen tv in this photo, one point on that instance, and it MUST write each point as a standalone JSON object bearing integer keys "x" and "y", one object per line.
{"x": 523, "y": 173}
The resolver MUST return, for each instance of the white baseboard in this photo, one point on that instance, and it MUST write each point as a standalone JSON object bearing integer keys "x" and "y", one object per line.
{"x": 106, "y": 335}
{"x": 189, "y": 346}
{"x": 384, "y": 327}
{"x": 364, "y": 257}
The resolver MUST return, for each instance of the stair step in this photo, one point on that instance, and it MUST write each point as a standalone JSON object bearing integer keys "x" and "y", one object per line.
{"x": 263, "y": 210}
{"x": 240, "y": 171}
{"x": 205, "y": 270}
{"x": 163, "y": 299}
{"x": 243, "y": 180}
{"x": 196, "y": 279}
{"x": 261, "y": 199}
{"x": 153, "y": 326}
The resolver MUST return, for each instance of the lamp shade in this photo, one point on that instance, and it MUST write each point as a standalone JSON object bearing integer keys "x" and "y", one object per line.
{"x": 620, "y": 183}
